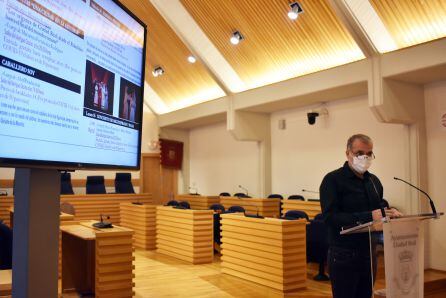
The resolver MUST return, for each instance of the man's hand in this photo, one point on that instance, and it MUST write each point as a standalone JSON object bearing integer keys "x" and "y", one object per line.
{"x": 377, "y": 215}
{"x": 392, "y": 212}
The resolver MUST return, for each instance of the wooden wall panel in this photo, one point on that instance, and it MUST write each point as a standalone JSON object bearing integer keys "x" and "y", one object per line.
{"x": 161, "y": 182}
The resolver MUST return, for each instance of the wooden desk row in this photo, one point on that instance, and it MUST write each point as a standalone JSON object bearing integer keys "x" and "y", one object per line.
{"x": 87, "y": 207}
{"x": 260, "y": 206}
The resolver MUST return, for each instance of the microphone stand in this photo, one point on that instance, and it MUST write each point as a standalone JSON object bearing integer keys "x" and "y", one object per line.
{"x": 434, "y": 211}
{"x": 245, "y": 189}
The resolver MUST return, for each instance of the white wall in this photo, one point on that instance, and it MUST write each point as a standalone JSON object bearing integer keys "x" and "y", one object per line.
{"x": 302, "y": 154}
{"x": 149, "y": 132}
{"x": 219, "y": 163}
{"x": 435, "y": 103}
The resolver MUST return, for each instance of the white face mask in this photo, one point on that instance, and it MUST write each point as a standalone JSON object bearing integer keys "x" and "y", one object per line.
{"x": 361, "y": 163}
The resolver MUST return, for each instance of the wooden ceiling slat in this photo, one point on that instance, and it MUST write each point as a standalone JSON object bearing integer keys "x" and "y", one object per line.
{"x": 412, "y": 22}
{"x": 182, "y": 80}
{"x": 276, "y": 48}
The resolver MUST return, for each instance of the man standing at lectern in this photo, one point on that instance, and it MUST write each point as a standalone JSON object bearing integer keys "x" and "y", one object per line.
{"x": 351, "y": 195}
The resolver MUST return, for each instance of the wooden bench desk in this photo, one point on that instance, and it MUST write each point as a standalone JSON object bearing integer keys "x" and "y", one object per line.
{"x": 5, "y": 283}
{"x": 264, "y": 207}
{"x": 197, "y": 201}
{"x": 185, "y": 234}
{"x": 311, "y": 208}
{"x": 141, "y": 219}
{"x": 98, "y": 261}
{"x": 268, "y": 251}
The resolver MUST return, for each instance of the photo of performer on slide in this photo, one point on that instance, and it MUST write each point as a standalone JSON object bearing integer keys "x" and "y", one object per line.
{"x": 99, "y": 88}
{"x": 129, "y": 101}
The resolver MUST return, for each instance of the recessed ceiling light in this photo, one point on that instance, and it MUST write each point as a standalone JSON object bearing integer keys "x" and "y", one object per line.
{"x": 295, "y": 10}
{"x": 157, "y": 71}
{"x": 191, "y": 59}
{"x": 236, "y": 37}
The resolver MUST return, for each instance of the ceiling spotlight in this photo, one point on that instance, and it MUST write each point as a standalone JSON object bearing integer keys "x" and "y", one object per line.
{"x": 236, "y": 37}
{"x": 158, "y": 71}
{"x": 295, "y": 10}
{"x": 191, "y": 59}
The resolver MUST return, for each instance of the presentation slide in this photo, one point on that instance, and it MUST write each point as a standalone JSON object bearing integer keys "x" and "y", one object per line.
{"x": 71, "y": 77}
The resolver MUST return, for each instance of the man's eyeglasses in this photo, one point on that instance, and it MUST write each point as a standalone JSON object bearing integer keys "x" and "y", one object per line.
{"x": 368, "y": 155}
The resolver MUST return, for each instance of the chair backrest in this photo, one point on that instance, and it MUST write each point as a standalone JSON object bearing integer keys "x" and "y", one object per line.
{"x": 296, "y": 214}
{"x": 184, "y": 204}
{"x": 275, "y": 196}
{"x": 5, "y": 247}
{"x": 296, "y": 197}
{"x": 225, "y": 194}
{"x": 123, "y": 183}
{"x": 66, "y": 188}
{"x": 172, "y": 203}
{"x": 317, "y": 240}
{"x": 233, "y": 209}
{"x": 95, "y": 185}
{"x": 241, "y": 195}
{"x": 67, "y": 208}
{"x": 217, "y": 207}
{"x": 319, "y": 216}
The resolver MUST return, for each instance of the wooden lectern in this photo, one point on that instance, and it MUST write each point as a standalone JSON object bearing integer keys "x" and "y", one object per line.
{"x": 403, "y": 252}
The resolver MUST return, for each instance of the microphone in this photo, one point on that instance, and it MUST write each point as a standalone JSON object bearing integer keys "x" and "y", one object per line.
{"x": 312, "y": 191}
{"x": 103, "y": 224}
{"x": 434, "y": 211}
{"x": 245, "y": 189}
{"x": 196, "y": 191}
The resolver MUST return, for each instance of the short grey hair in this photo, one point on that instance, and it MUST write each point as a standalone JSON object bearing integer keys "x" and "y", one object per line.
{"x": 363, "y": 138}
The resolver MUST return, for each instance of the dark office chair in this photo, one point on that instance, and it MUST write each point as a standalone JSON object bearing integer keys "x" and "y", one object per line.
{"x": 234, "y": 209}
{"x": 225, "y": 194}
{"x": 123, "y": 183}
{"x": 275, "y": 196}
{"x": 296, "y": 214}
{"x": 217, "y": 208}
{"x": 172, "y": 203}
{"x": 95, "y": 185}
{"x": 317, "y": 245}
{"x": 66, "y": 188}
{"x": 184, "y": 205}
{"x": 241, "y": 195}
{"x": 5, "y": 247}
{"x": 296, "y": 197}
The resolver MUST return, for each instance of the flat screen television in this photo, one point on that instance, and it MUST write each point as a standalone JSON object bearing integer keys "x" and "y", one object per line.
{"x": 71, "y": 84}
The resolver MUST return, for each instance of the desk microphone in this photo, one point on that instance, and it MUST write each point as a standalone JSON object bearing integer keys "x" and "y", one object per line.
{"x": 196, "y": 191}
{"x": 312, "y": 191}
{"x": 434, "y": 211}
{"x": 103, "y": 224}
{"x": 245, "y": 189}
